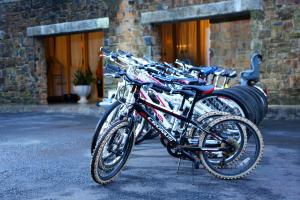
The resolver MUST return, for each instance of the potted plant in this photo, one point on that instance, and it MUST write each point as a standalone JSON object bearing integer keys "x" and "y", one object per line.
{"x": 82, "y": 80}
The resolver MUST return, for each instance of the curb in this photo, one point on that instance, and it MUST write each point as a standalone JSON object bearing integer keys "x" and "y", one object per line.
{"x": 275, "y": 112}
{"x": 84, "y": 109}
{"x": 283, "y": 112}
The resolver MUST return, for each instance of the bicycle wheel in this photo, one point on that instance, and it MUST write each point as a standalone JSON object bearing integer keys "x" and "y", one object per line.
{"x": 252, "y": 100}
{"x": 219, "y": 102}
{"x": 248, "y": 110}
{"x": 260, "y": 101}
{"x": 112, "y": 152}
{"x": 262, "y": 95}
{"x": 203, "y": 121}
{"x": 108, "y": 116}
{"x": 246, "y": 158}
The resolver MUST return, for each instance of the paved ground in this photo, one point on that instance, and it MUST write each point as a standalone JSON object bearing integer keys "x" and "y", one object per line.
{"x": 46, "y": 156}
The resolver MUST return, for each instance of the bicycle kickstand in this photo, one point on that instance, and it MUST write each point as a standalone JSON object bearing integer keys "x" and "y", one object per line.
{"x": 193, "y": 173}
{"x": 178, "y": 165}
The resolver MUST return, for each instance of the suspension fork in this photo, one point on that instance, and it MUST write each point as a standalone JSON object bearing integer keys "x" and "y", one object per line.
{"x": 133, "y": 95}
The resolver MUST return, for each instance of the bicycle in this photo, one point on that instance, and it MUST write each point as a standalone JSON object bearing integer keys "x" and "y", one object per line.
{"x": 133, "y": 64}
{"x": 220, "y": 145}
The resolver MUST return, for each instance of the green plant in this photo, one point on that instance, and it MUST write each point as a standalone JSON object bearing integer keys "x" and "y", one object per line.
{"x": 82, "y": 77}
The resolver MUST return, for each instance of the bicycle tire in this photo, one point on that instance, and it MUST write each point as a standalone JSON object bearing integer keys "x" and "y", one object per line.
{"x": 100, "y": 123}
{"x": 252, "y": 100}
{"x": 249, "y": 102}
{"x": 241, "y": 102}
{"x": 254, "y": 164}
{"x": 234, "y": 108}
{"x": 263, "y": 97}
{"x": 259, "y": 99}
{"x": 96, "y": 165}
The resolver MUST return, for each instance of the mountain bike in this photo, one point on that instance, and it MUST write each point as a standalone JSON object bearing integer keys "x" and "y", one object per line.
{"x": 229, "y": 147}
{"x": 203, "y": 105}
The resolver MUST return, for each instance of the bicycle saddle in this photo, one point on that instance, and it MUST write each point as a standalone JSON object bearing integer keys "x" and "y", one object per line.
{"x": 185, "y": 81}
{"x": 204, "y": 70}
{"x": 189, "y": 81}
{"x": 164, "y": 79}
{"x": 203, "y": 89}
{"x": 209, "y": 70}
{"x": 253, "y": 73}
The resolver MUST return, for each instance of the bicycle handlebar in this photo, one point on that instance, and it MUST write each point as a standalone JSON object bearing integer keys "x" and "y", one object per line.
{"x": 119, "y": 72}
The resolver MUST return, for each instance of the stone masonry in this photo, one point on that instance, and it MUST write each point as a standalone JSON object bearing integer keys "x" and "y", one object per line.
{"x": 23, "y": 76}
{"x": 276, "y": 34}
{"x": 273, "y": 31}
{"x": 231, "y": 44}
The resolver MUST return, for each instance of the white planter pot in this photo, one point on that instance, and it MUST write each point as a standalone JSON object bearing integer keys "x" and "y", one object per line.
{"x": 83, "y": 91}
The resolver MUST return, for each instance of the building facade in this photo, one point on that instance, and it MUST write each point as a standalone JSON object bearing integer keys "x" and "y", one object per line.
{"x": 42, "y": 42}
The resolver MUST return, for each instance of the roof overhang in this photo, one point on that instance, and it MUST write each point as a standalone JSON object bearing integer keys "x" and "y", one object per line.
{"x": 202, "y": 11}
{"x": 68, "y": 27}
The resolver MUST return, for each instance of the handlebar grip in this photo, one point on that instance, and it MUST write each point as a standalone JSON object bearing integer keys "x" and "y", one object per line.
{"x": 105, "y": 50}
{"x": 160, "y": 67}
{"x": 151, "y": 70}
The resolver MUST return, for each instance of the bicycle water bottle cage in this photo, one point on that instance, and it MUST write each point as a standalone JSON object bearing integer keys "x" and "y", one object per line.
{"x": 252, "y": 75}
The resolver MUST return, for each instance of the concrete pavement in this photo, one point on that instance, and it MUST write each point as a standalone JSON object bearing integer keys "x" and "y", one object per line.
{"x": 46, "y": 156}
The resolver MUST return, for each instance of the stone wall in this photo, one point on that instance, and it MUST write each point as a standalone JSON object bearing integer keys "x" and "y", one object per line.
{"x": 230, "y": 42}
{"x": 126, "y": 31}
{"x": 22, "y": 66}
{"x": 276, "y": 33}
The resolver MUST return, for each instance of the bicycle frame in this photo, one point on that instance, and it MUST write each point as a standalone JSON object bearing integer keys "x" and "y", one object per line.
{"x": 160, "y": 128}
